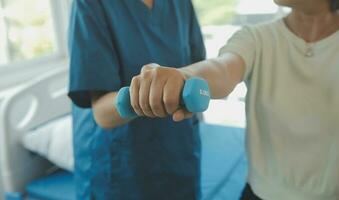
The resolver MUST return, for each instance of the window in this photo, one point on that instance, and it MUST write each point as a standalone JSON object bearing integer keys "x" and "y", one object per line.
{"x": 28, "y": 30}
{"x": 219, "y": 20}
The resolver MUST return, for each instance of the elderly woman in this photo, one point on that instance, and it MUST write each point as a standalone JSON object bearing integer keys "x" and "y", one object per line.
{"x": 291, "y": 67}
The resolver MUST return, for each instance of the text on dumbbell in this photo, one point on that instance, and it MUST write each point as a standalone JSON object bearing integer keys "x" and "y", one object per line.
{"x": 204, "y": 93}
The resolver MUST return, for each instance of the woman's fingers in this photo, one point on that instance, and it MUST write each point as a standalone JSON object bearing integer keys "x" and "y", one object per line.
{"x": 156, "y": 96}
{"x": 144, "y": 93}
{"x": 134, "y": 95}
{"x": 172, "y": 94}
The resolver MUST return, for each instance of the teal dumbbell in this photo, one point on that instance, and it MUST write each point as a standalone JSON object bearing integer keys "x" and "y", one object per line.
{"x": 195, "y": 98}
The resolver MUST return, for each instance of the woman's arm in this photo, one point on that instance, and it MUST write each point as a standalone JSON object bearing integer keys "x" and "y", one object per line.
{"x": 222, "y": 73}
{"x": 156, "y": 91}
{"x": 104, "y": 110}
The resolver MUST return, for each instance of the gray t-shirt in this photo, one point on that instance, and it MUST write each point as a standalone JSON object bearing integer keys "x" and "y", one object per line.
{"x": 292, "y": 112}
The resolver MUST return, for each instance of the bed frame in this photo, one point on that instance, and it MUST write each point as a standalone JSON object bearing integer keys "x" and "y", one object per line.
{"x": 35, "y": 103}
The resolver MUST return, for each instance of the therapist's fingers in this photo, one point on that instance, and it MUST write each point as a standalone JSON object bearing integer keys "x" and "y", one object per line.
{"x": 134, "y": 95}
{"x": 172, "y": 94}
{"x": 156, "y": 96}
{"x": 144, "y": 92}
{"x": 181, "y": 114}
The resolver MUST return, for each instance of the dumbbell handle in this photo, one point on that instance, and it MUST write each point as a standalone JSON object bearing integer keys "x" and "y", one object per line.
{"x": 195, "y": 97}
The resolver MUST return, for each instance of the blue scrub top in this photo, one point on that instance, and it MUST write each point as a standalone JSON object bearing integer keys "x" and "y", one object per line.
{"x": 147, "y": 158}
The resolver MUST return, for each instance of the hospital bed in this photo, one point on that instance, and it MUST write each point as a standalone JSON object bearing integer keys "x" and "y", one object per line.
{"x": 31, "y": 105}
{"x": 224, "y": 165}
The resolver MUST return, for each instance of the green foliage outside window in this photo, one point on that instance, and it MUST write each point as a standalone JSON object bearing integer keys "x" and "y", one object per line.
{"x": 216, "y": 12}
{"x": 29, "y": 29}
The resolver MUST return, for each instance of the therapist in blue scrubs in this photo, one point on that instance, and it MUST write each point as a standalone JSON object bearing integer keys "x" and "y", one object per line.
{"x": 147, "y": 158}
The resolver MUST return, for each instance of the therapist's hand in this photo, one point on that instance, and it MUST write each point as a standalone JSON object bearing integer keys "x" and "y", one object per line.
{"x": 156, "y": 92}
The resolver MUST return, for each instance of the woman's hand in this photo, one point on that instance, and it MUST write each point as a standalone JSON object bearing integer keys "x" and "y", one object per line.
{"x": 156, "y": 92}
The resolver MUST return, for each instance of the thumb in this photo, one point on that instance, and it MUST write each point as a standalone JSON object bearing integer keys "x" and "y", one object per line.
{"x": 181, "y": 114}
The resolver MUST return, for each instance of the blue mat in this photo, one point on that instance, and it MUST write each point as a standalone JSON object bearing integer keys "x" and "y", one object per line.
{"x": 223, "y": 173}
{"x": 57, "y": 186}
{"x": 223, "y": 164}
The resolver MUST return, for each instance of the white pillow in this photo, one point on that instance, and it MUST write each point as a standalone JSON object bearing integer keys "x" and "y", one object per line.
{"x": 54, "y": 141}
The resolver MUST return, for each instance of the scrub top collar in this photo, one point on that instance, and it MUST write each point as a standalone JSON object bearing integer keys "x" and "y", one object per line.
{"x": 154, "y": 14}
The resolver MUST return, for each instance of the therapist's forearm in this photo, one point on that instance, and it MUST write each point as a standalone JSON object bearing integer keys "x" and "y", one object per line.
{"x": 105, "y": 112}
{"x": 222, "y": 73}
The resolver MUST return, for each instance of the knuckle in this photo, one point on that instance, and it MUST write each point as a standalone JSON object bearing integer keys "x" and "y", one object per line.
{"x": 146, "y": 75}
{"x": 154, "y": 65}
{"x": 157, "y": 71}
{"x": 146, "y": 67}
{"x": 161, "y": 72}
{"x": 135, "y": 79}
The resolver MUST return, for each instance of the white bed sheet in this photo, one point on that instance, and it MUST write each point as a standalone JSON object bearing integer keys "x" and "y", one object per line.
{"x": 53, "y": 141}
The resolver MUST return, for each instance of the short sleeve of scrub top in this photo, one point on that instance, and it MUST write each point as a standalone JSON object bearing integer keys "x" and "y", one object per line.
{"x": 198, "y": 51}
{"x": 94, "y": 63}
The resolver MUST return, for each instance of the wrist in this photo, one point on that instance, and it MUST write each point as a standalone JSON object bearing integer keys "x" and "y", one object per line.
{"x": 186, "y": 73}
